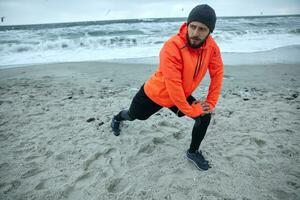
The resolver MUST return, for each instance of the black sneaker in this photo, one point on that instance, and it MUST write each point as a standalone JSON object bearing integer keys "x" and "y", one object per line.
{"x": 198, "y": 159}
{"x": 115, "y": 125}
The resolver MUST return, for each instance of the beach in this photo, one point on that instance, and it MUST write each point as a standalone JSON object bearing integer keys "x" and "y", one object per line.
{"x": 56, "y": 141}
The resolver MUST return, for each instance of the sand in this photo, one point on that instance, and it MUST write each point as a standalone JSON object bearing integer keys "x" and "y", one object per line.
{"x": 56, "y": 142}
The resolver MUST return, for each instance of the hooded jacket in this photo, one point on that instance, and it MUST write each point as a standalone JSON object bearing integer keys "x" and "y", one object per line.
{"x": 180, "y": 71}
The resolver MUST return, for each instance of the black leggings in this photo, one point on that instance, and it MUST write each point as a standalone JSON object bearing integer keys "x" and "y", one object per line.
{"x": 142, "y": 107}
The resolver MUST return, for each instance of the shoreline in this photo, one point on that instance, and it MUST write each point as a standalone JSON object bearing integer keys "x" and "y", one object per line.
{"x": 90, "y": 68}
{"x": 281, "y": 55}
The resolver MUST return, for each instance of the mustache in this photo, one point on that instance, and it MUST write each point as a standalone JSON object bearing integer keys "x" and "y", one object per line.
{"x": 196, "y": 38}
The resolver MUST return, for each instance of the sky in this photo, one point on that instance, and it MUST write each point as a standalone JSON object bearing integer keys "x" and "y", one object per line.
{"x": 16, "y": 12}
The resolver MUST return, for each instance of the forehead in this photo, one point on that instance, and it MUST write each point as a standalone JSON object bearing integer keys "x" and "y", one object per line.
{"x": 198, "y": 24}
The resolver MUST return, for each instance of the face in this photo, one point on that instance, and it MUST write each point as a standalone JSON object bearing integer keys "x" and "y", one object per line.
{"x": 197, "y": 34}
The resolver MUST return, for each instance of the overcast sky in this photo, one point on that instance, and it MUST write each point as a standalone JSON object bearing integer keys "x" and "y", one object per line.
{"x": 52, "y": 11}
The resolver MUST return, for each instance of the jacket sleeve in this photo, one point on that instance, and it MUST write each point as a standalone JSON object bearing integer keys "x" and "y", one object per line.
{"x": 172, "y": 67}
{"x": 216, "y": 71}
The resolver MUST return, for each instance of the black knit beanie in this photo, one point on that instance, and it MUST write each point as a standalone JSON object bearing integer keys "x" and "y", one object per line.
{"x": 204, "y": 14}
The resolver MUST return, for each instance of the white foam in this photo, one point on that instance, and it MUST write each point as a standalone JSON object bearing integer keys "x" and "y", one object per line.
{"x": 113, "y": 41}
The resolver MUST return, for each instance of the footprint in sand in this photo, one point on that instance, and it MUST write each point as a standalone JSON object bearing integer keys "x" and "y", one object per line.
{"x": 48, "y": 181}
{"x": 259, "y": 142}
{"x": 90, "y": 160}
{"x": 293, "y": 185}
{"x": 281, "y": 194}
{"x": 4, "y": 166}
{"x": 96, "y": 156}
{"x": 31, "y": 157}
{"x": 116, "y": 185}
{"x": 147, "y": 148}
{"x": 178, "y": 135}
{"x": 157, "y": 140}
{"x": 31, "y": 172}
{"x": 165, "y": 123}
{"x": 82, "y": 178}
{"x": 72, "y": 190}
{"x": 6, "y": 188}
{"x": 290, "y": 153}
{"x": 62, "y": 156}
{"x": 40, "y": 185}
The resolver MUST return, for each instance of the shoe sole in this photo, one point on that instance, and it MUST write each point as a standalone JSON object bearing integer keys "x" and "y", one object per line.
{"x": 196, "y": 164}
{"x": 116, "y": 133}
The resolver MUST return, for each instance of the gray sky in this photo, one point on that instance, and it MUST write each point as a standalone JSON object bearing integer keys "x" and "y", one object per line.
{"x": 52, "y": 11}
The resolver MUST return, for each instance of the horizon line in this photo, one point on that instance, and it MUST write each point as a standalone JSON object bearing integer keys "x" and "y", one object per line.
{"x": 149, "y": 18}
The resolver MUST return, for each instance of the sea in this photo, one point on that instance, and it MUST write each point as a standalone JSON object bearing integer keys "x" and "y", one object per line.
{"x": 141, "y": 40}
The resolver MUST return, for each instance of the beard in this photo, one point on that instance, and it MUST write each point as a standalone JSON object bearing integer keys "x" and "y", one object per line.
{"x": 199, "y": 42}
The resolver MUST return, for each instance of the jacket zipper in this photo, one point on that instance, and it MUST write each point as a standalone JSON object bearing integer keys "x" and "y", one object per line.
{"x": 198, "y": 66}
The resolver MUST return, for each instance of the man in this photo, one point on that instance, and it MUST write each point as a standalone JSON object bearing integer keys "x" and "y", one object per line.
{"x": 184, "y": 61}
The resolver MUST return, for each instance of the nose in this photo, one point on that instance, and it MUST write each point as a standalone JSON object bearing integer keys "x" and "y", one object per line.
{"x": 196, "y": 34}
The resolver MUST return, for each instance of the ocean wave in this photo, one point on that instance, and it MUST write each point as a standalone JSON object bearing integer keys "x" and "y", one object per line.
{"x": 294, "y": 31}
{"x": 87, "y": 24}
{"x": 10, "y": 42}
{"x": 125, "y": 32}
{"x": 60, "y": 44}
{"x": 137, "y": 38}
{"x": 263, "y": 24}
{"x": 23, "y": 49}
{"x": 97, "y": 33}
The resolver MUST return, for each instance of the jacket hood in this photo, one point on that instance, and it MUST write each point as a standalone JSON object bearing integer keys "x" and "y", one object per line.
{"x": 183, "y": 32}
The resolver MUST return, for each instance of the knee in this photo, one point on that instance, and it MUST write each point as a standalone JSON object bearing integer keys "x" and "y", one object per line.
{"x": 203, "y": 120}
{"x": 141, "y": 117}
{"x": 206, "y": 118}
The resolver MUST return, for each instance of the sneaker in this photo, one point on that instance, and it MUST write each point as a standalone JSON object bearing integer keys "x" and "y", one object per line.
{"x": 198, "y": 159}
{"x": 115, "y": 125}
{"x": 199, "y": 153}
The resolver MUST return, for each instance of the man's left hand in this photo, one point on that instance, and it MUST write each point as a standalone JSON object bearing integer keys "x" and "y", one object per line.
{"x": 205, "y": 106}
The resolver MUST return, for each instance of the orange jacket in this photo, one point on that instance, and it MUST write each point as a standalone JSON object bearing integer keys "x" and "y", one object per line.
{"x": 180, "y": 71}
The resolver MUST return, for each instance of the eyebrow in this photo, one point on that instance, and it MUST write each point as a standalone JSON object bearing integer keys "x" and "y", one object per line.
{"x": 203, "y": 27}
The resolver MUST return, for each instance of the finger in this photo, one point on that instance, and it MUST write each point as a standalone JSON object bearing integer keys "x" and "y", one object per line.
{"x": 205, "y": 107}
{"x": 197, "y": 101}
{"x": 203, "y": 104}
{"x": 206, "y": 104}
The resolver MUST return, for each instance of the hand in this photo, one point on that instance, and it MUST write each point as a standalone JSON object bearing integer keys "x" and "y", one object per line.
{"x": 204, "y": 105}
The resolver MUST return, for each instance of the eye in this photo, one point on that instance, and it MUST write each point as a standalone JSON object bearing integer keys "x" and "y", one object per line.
{"x": 193, "y": 27}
